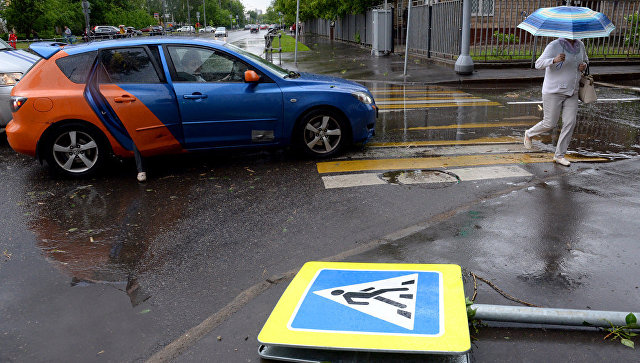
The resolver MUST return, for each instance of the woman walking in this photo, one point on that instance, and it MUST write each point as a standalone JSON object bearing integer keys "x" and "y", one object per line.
{"x": 563, "y": 61}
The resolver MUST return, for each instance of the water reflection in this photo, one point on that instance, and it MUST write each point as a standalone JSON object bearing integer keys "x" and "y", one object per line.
{"x": 101, "y": 232}
{"x": 434, "y": 113}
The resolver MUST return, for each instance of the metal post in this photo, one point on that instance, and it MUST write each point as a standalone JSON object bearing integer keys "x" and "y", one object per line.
{"x": 295, "y": 54}
{"x": 386, "y": 41}
{"x": 188, "y": 16}
{"x": 464, "y": 63}
{"x": 529, "y": 315}
{"x": 204, "y": 11}
{"x": 406, "y": 39}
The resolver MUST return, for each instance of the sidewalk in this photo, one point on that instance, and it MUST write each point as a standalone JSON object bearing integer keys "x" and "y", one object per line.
{"x": 353, "y": 62}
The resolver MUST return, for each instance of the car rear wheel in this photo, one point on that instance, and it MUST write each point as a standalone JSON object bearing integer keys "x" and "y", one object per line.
{"x": 75, "y": 150}
{"x": 322, "y": 133}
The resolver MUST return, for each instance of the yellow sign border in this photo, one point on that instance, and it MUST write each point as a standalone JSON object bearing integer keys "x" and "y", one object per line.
{"x": 454, "y": 339}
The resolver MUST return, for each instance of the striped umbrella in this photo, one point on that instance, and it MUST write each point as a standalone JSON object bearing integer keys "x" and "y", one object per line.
{"x": 569, "y": 22}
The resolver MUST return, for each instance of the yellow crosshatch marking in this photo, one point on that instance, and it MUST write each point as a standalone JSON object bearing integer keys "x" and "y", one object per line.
{"x": 453, "y": 335}
{"x": 413, "y": 99}
{"x": 431, "y": 105}
{"x": 471, "y": 126}
{"x": 416, "y": 92}
{"x": 479, "y": 141}
{"x": 440, "y": 162}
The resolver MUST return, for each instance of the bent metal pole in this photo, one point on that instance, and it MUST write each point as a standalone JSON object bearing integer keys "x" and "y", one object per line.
{"x": 549, "y": 316}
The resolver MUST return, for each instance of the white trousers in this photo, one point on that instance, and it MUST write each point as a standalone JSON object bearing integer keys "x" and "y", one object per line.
{"x": 553, "y": 104}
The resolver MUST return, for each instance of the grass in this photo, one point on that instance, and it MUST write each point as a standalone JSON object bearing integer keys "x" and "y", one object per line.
{"x": 288, "y": 43}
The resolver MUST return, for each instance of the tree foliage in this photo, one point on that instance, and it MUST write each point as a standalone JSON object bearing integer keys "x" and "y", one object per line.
{"x": 323, "y": 9}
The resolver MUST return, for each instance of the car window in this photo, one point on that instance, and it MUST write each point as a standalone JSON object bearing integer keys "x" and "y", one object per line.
{"x": 76, "y": 67}
{"x": 205, "y": 65}
{"x": 127, "y": 65}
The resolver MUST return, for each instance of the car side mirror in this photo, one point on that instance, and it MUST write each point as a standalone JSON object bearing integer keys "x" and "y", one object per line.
{"x": 251, "y": 76}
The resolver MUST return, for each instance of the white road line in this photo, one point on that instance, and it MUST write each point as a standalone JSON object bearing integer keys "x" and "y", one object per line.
{"x": 599, "y": 100}
{"x": 408, "y": 101}
{"x": 418, "y": 177}
{"x": 418, "y": 151}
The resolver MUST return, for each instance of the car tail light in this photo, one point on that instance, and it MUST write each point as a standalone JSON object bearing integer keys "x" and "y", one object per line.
{"x": 17, "y": 102}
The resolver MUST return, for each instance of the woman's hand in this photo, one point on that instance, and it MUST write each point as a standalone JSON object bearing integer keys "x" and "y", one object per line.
{"x": 559, "y": 58}
{"x": 582, "y": 67}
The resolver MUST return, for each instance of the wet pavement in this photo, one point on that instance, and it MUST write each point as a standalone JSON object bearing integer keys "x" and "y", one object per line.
{"x": 109, "y": 269}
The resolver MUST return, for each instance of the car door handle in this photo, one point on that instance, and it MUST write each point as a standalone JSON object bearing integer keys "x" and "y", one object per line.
{"x": 195, "y": 96}
{"x": 124, "y": 99}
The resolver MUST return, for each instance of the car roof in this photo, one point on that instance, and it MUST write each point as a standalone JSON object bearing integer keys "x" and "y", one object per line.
{"x": 47, "y": 49}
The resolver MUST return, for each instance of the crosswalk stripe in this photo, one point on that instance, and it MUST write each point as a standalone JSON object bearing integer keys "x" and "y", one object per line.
{"x": 425, "y": 151}
{"x": 450, "y": 98}
{"x": 463, "y": 174}
{"x": 389, "y": 108}
{"x": 439, "y": 162}
{"x": 482, "y": 140}
{"x": 413, "y": 101}
{"x": 417, "y": 92}
{"x": 471, "y": 126}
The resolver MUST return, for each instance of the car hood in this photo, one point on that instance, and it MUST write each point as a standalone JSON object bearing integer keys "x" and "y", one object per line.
{"x": 312, "y": 79}
{"x": 16, "y": 60}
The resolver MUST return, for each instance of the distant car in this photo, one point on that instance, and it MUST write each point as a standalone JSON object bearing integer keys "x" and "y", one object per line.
{"x": 131, "y": 31}
{"x": 254, "y": 28}
{"x": 105, "y": 31}
{"x": 186, "y": 29}
{"x": 153, "y": 30}
{"x": 207, "y": 29}
{"x": 247, "y": 26}
{"x": 13, "y": 64}
{"x": 221, "y": 32}
{"x": 263, "y": 26}
{"x": 81, "y": 104}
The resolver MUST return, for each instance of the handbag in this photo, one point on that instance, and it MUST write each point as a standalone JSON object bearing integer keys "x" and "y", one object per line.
{"x": 587, "y": 91}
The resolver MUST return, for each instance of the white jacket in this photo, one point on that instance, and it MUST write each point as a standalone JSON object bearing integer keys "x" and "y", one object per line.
{"x": 562, "y": 78}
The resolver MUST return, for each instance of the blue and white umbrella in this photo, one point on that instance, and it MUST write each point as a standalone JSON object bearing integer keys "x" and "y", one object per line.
{"x": 570, "y": 22}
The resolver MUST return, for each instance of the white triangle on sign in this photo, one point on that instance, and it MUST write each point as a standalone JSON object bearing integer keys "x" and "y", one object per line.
{"x": 392, "y": 300}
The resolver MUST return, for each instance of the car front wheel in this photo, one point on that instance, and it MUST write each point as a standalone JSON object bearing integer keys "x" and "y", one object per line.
{"x": 322, "y": 133}
{"x": 75, "y": 150}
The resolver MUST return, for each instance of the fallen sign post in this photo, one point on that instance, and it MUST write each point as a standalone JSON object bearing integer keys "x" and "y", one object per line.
{"x": 369, "y": 311}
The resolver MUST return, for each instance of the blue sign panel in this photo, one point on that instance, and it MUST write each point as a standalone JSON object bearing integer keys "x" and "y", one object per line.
{"x": 372, "y": 301}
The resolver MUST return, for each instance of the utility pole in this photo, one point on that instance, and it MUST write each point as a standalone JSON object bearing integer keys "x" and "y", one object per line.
{"x": 204, "y": 10}
{"x": 86, "y": 9}
{"x": 189, "y": 16}
{"x": 295, "y": 54}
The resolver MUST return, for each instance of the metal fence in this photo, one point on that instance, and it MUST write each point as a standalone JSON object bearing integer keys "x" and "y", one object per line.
{"x": 436, "y": 28}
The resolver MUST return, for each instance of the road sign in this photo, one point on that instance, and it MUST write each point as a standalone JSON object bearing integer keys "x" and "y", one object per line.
{"x": 404, "y": 308}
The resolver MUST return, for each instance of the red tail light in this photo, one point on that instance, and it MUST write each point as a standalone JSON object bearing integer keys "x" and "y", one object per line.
{"x": 17, "y": 102}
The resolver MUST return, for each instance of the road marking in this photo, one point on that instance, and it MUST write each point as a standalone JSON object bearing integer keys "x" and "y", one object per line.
{"x": 449, "y": 98}
{"x": 420, "y": 177}
{"x": 440, "y": 162}
{"x": 411, "y": 152}
{"x": 436, "y": 101}
{"x": 482, "y": 140}
{"x": 598, "y": 100}
{"x": 471, "y": 126}
{"x": 417, "y": 92}
{"x": 400, "y": 107}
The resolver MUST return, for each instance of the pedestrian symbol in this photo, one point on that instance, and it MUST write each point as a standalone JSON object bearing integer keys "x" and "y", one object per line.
{"x": 392, "y": 300}
{"x": 413, "y": 308}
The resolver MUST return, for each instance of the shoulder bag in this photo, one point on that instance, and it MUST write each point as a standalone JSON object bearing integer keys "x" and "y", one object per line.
{"x": 587, "y": 91}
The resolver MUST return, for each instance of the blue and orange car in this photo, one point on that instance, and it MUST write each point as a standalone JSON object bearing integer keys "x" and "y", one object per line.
{"x": 79, "y": 105}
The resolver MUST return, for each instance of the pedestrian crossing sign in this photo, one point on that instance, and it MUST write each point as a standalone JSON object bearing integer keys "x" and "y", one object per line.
{"x": 409, "y": 308}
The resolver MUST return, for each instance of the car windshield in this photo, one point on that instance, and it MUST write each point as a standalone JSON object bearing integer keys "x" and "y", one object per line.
{"x": 220, "y": 28}
{"x": 281, "y": 72}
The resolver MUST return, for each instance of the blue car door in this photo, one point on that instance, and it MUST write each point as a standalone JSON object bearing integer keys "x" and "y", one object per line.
{"x": 217, "y": 107}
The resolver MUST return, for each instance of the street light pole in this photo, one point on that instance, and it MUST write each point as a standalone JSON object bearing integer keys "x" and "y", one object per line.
{"x": 204, "y": 10}
{"x": 295, "y": 54}
{"x": 188, "y": 16}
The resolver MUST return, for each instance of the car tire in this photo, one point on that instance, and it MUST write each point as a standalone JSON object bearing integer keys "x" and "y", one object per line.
{"x": 75, "y": 150}
{"x": 322, "y": 133}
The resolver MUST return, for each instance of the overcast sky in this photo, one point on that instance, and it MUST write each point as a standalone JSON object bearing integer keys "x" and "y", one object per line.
{"x": 256, "y": 4}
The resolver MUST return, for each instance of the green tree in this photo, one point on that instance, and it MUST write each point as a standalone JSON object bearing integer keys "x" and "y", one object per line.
{"x": 24, "y": 15}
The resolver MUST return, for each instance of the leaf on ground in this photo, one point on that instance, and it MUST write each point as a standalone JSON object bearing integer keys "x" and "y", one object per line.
{"x": 630, "y": 319}
{"x": 627, "y": 342}
{"x": 145, "y": 311}
{"x": 343, "y": 71}
{"x": 72, "y": 229}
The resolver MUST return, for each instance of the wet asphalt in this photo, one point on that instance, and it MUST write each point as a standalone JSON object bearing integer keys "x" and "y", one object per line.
{"x": 109, "y": 269}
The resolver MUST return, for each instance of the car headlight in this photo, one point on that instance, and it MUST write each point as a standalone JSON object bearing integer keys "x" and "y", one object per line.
{"x": 9, "y": 79}
{"x": 363, "y": 97}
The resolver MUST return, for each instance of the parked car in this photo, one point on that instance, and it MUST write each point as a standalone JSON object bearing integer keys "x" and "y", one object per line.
{"x": 263, "y": 26}
{"x": 207, "y": 29}
{"x": 254, "y": 28}
{"x": 171, "y": 95}
{"x": 13, "y": 64}
{"x": 131, "y": 31}
{"x": 153, "y": 30}
{"x": 186, "y": 28}
{"x": 221, "y": 32}
{"x": 105, "y": 31}
{"x": 247, "y": 26}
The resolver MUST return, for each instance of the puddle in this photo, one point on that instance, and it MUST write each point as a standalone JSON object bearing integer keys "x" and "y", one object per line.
{"x": 427, "y": 177}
